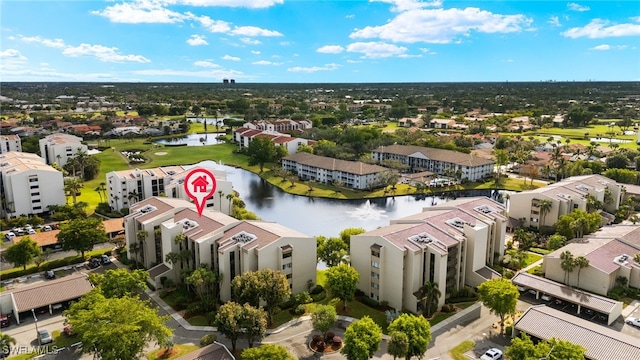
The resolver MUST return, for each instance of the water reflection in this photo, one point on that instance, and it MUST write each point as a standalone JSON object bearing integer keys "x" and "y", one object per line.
{"x": 192, "y": 140}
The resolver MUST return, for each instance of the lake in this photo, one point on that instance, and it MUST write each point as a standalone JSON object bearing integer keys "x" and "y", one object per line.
{"x": 192, "y": 140}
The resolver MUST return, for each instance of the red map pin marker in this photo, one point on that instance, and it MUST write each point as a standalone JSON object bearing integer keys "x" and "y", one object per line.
{"x": 200, "y": 184}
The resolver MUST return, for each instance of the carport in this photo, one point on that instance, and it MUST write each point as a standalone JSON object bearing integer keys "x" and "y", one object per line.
{"x": 45, "y": 294}
{"x": 602, "y": 343}
{"x": 611, "y": 309}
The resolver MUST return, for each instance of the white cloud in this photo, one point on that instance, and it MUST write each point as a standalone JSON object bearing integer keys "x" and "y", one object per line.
{"x": 376, "y": 49}
{"x": 206, "y": 64}
{"x": 102, "y": 53}
{"x": 252, "y": 4}
{"x": 354, "y": 61}
{"x": 312, "y": 69}
{"x": 250, "y": 41}
{"x": 230, "y": 58}
{"x": 12, "y": 59}
{"x": 330, "y": 49}
{"x": 350, "y": 16}
{"x": 598, "y": 28}
{"x": 54, "y": 43}
{"x": 255, "y": 52}
{"x": 442, "y": 25}
{"x": 285, "y": 43}
{"x": 605, "y": 47}
{"x": 196, "y": 40}
{"x": 266, "y": 62}
{"x": 554, "y": 20}
{"x": 140, "y": 11}
{"x": 215, "y": 26}
{"x": 577, "y": 7}
{"x": 253, "y": 31}
{"x": 405, "y": 5}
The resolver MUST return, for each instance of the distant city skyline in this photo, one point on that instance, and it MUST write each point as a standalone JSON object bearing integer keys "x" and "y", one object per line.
{"x": 280, "y": 41}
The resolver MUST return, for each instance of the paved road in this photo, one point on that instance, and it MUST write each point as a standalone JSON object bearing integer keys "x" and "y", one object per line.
{"x": 58, "y": 255}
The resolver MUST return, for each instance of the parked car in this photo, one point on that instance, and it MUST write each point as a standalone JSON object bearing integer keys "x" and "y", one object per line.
{"x": 31, "y": 231}
{"x": 93, "y": 263}
{"x": 545, "y": 297}
{"x": 492, "y": 354}
{"x": 44, "y": 337}
{"x": 105, "y": 259}
{"x": 633, "y": 321}
{"x": 4, "y": 321}
{"x": 49, "y": 274}
{"x": 47, "y": 228}
{"x": 10, "y": 235}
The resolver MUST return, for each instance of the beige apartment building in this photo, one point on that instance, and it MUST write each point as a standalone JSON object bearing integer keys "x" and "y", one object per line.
{"x": 10, "y": 143}
{"x": 610, "y": 252}
{"x": 126, "y": 187}
{"x": 450, "y": 244}
{"x": 60, "y": 147}
{"x": 566, "y": 196}
{"x": 218, "y": 241}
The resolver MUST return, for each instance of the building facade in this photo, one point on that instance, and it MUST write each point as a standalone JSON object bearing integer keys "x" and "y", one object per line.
{"x": 161, "y": 226}
{"x": 449, "y": 244}
{"x": 10, "y": 143}
{"x": 573, "y": 193}
{"x": 28, "y": 186}
{"x": 59, "y": 148}
{"x": 326, "y": 170}
{"x": 126, "y": 187}
{"x": 439, "y": 161}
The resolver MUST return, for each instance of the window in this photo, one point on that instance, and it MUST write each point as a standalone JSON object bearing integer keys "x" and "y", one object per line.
{"x": 375, "y": 253}
{"x": 287, "y": 255}
{"x": 535, "y": 220}
{"x": 287, "y": 266}
{"x": 289, "y": 276}
{"x": 375, "y": 264}
{"x": 375, "y": 275}
{"x": 375, "y": 286}
{"x": 33, "y": 179}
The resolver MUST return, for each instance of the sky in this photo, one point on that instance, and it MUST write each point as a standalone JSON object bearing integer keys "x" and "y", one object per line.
{"x": 296, "y": 41}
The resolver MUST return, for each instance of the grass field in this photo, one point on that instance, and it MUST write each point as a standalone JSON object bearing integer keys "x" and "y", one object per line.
{"x": 177, "y": 351}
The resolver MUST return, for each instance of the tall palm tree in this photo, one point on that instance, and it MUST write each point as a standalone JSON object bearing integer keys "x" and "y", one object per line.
{"x": 133, "y": 195}
{"x": 135, "y": 249}
{"x": 72, "y": 186}
{"x": 429, "y": 293}
{"x": 545, "y": 208}
{"x": 580, "y": 262}
{"x": 230, "y": 198}
{"x": 6, "y": 341}
{"x": 567, "y": 263}
{"x": 173, "y": 258}
{"x": 103, "y": 188}
{"x": 220, "y": 195}
{"x": 141, "y": 236}
{"x": 99, "y": 192}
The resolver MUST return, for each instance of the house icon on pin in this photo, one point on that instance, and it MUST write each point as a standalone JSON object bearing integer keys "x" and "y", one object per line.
{"x": 200, "y": 184}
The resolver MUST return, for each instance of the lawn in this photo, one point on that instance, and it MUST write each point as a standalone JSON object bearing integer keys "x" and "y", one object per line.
{"x": 177, "y": 351}
{"x": 354, "y": 309}
{"x": 199, "y": 320}
{"x": 62, "y": 341}
{"x": 531, "y": 258}
{"x": 457, "y": 353}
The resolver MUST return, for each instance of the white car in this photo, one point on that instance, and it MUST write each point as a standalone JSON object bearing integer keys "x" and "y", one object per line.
{"x": 492, "y": 354}
{"x": 633, "y": 321}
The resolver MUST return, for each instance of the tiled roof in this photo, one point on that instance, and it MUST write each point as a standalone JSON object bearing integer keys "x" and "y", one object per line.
{"x": 450, "y": 156}
{"x": 42, "y": 238}
{"x": 323, "y": 162}
{"x": 602, "y": 343}
{"x": 51, "y": 292}
{"x": 113, "y": 225}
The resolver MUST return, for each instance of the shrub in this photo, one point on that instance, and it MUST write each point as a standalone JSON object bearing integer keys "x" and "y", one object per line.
{"x": 337, "y": 340}
{"x": 384, "y": 303}
{"x": 291, "y": 302}
{"x": 359, "y": 293}
{"x": 319, "y": 297}
{"x": 317, "y": 290}
{"x": 508, "y": 329}
{"x": 208, "y": 340}
{"x": 303, "y": 298}
{"x": 369, "y": 302}
{"x": 448, "y": 308}
{"x": 329, "y": 337}
{"x": 300, "y": 309}
{"x": 317, "y": 338}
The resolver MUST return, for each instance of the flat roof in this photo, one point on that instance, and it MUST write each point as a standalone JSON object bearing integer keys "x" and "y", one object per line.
{"x": 563, "y": 292}
{"x": 602, "y": 343}
{"x": 51, "y": 292}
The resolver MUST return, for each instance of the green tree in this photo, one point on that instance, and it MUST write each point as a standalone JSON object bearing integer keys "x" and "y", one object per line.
{"x": 116, "y": 328}
{"x": 580, "y": 262}
{"x": 331, "y": 250}
{"x": 567, "y": 264}
{"x": 342, "y": 281}
{"x": 398, "y": 345}
{"x": 556, "y": 241}
{"x": 267, "y": 351}
{"x": 269, "y": 285}
{"x": 323, "y": 318}
{"x": 523, "y": 348}
{"x": 205, "y": 283}
{"x": 545, "y": 207}
{"x": 429, "y": 294}
{"x": 361, "y": 339}
{"x": 347, "y": 233}
{"x": 23, "y": 252}
{"x": 416, "y": 329}
{"x": 254, "y": 322}
{"x": 246, "y": 288}
{"x": 229, "y": 320}
{"x": 6, "y": 341}
{"x": 261, "y": 150}
{"x": 500, "y": 296}
{"x": 81, "y": 234}
{"x": 72, "y": 186}
{"x": 567, "y": 227}
{"x": 617, "y": 161}
{"x": 120, "y": 282}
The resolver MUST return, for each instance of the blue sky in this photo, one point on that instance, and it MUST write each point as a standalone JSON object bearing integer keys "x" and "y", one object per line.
{"x": 282, "y": 41}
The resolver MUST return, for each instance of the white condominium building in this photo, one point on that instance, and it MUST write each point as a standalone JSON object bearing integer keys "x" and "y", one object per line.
{"x": 126, "y": 187}
{"x": 10, "y": 143}
{"x": 59, "y": 148}
{"x": 27, "y": 185}
{"x": 218, "y": 241}
{"x": 565, "y": 196}
{"x": 449, "y": 244}
{"x": 439, "y": 161}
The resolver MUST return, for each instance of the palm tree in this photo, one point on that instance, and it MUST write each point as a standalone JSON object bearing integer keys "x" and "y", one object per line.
{"x": 99, "y": 191}
{"x": 230, "y": 198}
{"x": 567, "y": 264}
{"x": 545, "y": 208}
{"x": 135, "y": 249}
{"x": 636, "y": 258}
{"x": 429, "y": 294}
{"x": 6, "y": 341}
{"x": 580, "y": 262}
{"x": 72, "y": 186}
{"x": 220, "y": 195}
{"x": 142, "y": 235}
{"x": 103, "y": 188}
{"x": 579, "y": 226}
{"x": 173, "y": 258}
{"x": 133, "y": 195}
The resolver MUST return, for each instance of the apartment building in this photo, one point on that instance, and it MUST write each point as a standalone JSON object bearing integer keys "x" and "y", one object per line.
{"x": 449, "y": 244}
{"x": 566, "y": 196}
{"x": 60, "y": 147}
{"x": 218, "y": 241}
{"x": 439, "y": 161}
{"x": 126, "y": 187}
{"x": 243, "y": 137}
{"x": 326, "y": 170}
{"x": 282, "y": 126}
{"x": 10, "y": 143}
{"x": 610, "y": 252}
{"x": 27, "y": 185}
